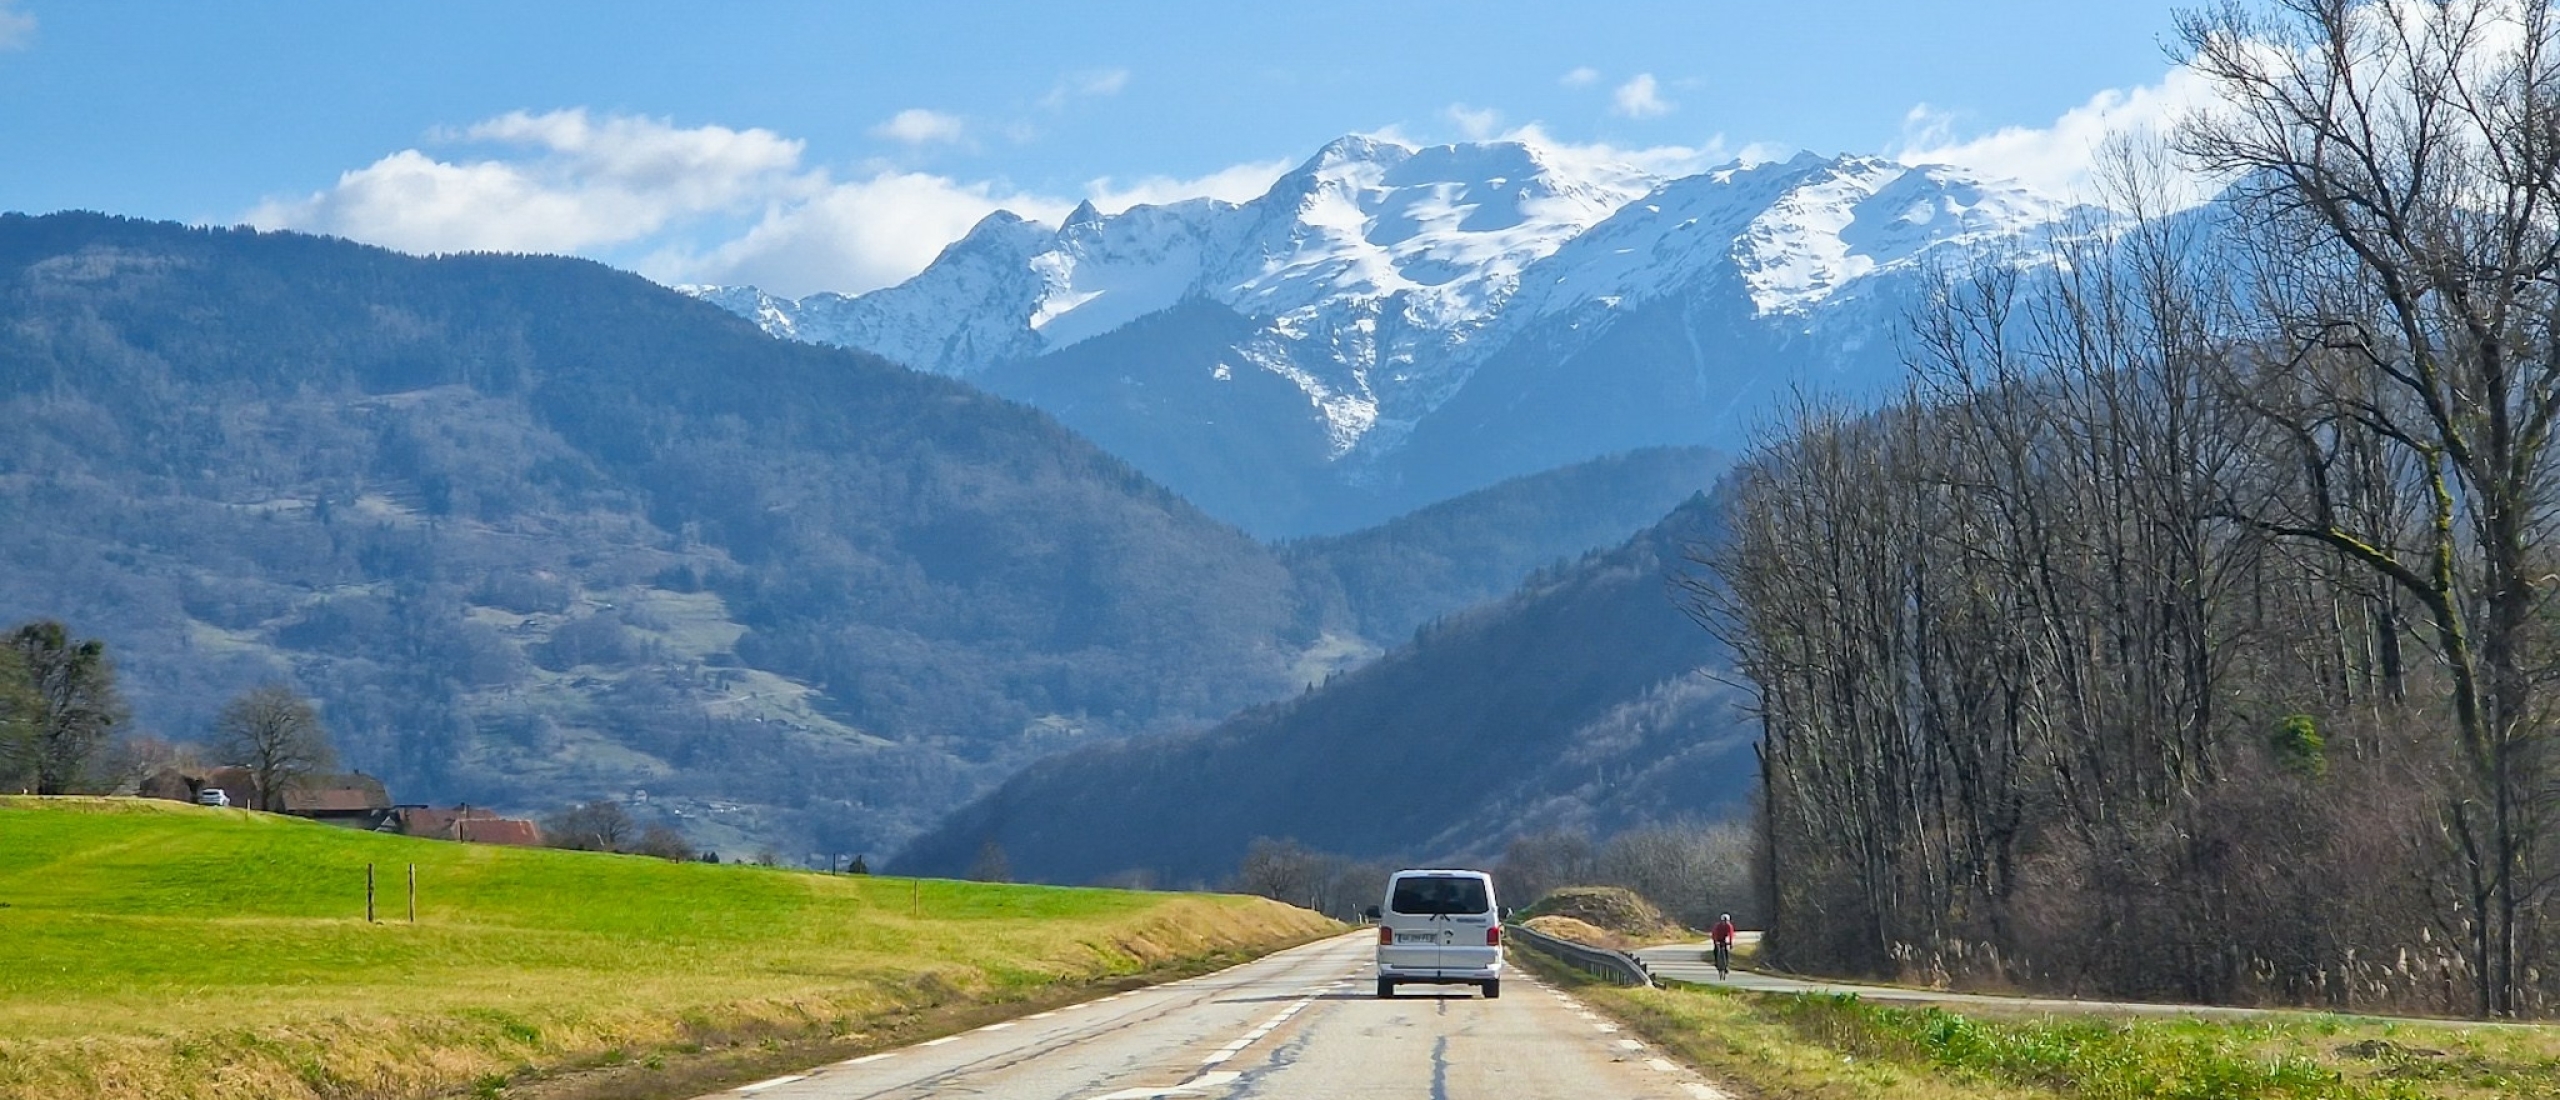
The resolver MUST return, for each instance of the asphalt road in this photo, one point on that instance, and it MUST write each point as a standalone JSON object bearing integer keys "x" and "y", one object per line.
{"x": 1300, "y": 1025}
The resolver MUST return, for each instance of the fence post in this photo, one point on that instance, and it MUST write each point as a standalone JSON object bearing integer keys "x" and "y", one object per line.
{"x": 413, "y": 893}
{"x": 368, "y": 893}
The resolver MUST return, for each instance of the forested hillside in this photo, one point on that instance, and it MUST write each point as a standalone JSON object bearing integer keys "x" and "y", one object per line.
{"x": 1583, "y": 703}
{"x": 532, "y": 531}
{"x": 1388, "y": 580}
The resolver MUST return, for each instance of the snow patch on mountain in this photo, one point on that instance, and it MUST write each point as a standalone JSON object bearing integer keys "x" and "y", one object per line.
{"x": 1378, "y": 275}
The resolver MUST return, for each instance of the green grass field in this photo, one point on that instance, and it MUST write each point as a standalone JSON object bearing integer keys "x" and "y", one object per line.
{"x": 1842, "y": 1048}
{"x": 157, "y": 949}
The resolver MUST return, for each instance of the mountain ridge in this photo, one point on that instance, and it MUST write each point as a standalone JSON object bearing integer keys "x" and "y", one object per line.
{"x": 1378, "y": 281}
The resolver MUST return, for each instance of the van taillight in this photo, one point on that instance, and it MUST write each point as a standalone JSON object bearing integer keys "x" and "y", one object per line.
{"x": 1386, "y": 936}
{"x": 1493, "y": 936}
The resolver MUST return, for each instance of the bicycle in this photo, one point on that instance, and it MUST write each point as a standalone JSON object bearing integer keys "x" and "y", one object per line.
{"x": 1724, "y": 960}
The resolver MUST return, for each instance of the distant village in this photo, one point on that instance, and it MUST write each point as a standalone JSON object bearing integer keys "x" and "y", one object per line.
{"x": 353, "y": 800}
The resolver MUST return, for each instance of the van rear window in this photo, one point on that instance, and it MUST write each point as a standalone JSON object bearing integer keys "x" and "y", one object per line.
{"x": 1439, "y": 895}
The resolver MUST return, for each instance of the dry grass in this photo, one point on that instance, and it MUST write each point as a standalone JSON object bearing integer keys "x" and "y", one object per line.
{"x": 154, "y": 949}
{"x": 1840, "y": 1048}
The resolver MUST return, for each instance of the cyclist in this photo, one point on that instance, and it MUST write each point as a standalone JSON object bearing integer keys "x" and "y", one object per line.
{"x": 1722, "y": 934}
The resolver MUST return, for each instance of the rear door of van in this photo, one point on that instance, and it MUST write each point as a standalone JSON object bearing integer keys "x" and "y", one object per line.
{"x": 1429, "y": 916}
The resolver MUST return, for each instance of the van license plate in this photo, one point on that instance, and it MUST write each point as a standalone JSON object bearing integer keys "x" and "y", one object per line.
{"x": 1417, "y": 937}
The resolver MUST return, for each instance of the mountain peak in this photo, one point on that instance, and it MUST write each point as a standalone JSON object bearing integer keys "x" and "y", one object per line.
{"x": 1084, "y": 215}
{"x": 1351, "y": 148}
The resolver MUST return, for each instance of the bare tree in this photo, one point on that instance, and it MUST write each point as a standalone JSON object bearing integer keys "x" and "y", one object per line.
{"x": 20, "y": 714}
{"x": 991, "y": 864}
{"x": 601, "y": 825}
{"x": 2403, "y": 158}
{"x": 76, "y": 703}
{"x": 277, "y": 735}
{"x": 663, "y": 841}
{"x": 132, "y": 760}
{"x": 1286, "y": 871}
{"x": 1535, "y": 863}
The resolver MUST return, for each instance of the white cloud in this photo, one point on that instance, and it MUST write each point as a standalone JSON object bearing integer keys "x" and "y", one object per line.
{"x": 1094, "y": 84}
{"x": 1477, "y": 124}
{"x": 1582, "y": 77}
{"x": 918, "y": 126}
{"x": 1641, "y": 98}
{"x": 702, "y": 204}
{"x": 2059, "y": 159}
{"x": 1664, "y": 161}
{"x": 1234, "y": 184}
{"x": 17, "y": 28}
{"x": 850, "y": 237}
{"x": 571, "y": 184}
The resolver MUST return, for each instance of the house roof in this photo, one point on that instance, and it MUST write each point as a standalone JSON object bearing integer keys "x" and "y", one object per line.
{"x": 501, "y": 830}
{"x": 334, "y": 800}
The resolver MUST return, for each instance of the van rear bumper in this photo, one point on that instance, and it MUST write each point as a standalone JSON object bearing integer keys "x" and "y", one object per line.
{"x": 1439, "y": 973}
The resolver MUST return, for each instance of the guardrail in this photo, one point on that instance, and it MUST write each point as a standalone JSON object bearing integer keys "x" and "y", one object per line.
{"x": 1597, "y": 961}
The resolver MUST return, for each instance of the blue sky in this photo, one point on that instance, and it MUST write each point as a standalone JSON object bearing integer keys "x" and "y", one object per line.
{"x": 813, "y": 146}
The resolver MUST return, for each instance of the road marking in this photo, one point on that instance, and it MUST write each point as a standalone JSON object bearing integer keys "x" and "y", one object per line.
{"x": 1076, "y": 1008}
{"x": 1042, "y": 1016}
{"x": 760, "y": 1086}
{"x": 1630, "y": 1044}
{"x": 997, "y": 1027}
{"x": 1193, "y": 1087}
{"x": 940, "y": 1041}
{"x": 866, "y": 1059}
{"x": 1606, "y": 1029}
{"x": 1700, "y": 1092}
{"x": 1659, "y": 1066}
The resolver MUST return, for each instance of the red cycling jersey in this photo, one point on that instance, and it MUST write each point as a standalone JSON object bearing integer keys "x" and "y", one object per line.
{"x": 1723, "y": 932}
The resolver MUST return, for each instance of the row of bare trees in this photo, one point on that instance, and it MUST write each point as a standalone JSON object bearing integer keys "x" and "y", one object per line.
{"x": 2186, "y": 631}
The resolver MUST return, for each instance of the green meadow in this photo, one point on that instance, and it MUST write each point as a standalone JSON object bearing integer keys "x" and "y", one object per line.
{"x": 1821, "y": 1047}
{"x": 158, "y": 949}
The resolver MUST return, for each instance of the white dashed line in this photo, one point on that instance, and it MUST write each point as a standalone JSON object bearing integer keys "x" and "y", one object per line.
{"x": 866, "y": 1059}
{"x": 1196, "y": 1086}
{"x": 940, "y": 1041}
{"x": 997, "y": 1027}
{"x": 1659, "y": 1066}
{"x": 1606, "y": 1029}
{"x": 1042, "y": 1016}
{"x": 760, "y": 1086}
{"x": 1630, "y": 1044}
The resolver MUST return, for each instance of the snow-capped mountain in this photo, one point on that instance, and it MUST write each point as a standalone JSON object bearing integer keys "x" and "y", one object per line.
{"x": 1388, "y": 325}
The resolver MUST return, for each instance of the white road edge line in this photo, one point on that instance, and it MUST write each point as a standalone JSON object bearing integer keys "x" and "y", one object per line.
{"x": 867, "y": 1059}
{"x": 1660, "y": 1066}
{"x": 1630, "y": 1044}
{"x": 760, "y": 1086}
{"x": 940, "y": 1041}
{"x": 997, "y": 1027}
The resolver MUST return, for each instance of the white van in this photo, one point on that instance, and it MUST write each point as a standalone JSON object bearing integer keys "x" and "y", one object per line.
{"x": 1439, "y": 928}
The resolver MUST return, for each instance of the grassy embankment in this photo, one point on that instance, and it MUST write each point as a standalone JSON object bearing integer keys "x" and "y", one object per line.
{"x": 155, "y": 949}
{"x": 1840, "y": 1048}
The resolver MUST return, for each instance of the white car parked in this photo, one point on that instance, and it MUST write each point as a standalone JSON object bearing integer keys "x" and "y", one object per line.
{"x": 212, "y": 796}
{"x": 1440, "y": 927}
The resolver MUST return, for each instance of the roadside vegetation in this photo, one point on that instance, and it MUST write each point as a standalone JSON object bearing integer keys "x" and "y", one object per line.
{"x": 1842, "y": 1048}
{"x": 2186, "y": 634}
{"x": 165, "y": 950}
